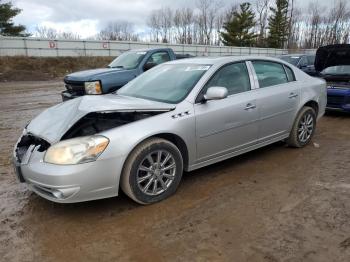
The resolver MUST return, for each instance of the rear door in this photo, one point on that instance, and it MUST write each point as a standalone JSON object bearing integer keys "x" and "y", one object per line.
{"x": 278, "y": 99}
{"x": 230, "y": 124}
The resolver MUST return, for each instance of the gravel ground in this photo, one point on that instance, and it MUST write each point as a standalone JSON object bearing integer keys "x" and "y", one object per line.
{"x": 273, "y": 204}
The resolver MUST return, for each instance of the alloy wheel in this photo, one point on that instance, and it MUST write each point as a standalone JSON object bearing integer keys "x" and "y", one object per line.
{"x": 305, "y": 128}
{"x": 156, "y": 172}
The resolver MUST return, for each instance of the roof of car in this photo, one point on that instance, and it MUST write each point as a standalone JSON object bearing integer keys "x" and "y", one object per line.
{"x": 298, "y": 55}
{"x": 219, "y": 60}
{"x": 148, "y": 49}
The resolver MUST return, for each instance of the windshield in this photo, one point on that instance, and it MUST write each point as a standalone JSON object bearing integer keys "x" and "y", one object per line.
{"x": 128, "y": 60}
{"x": 168, "y": 83}
{"x": 291, "y": 59}
{"x": 337, "y": 70}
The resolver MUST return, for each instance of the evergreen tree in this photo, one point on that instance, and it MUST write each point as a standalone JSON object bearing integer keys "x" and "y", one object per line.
{"x": 7, "y": 27}
{"x": 238, "y": 28}
{"x": 278, "y": 25}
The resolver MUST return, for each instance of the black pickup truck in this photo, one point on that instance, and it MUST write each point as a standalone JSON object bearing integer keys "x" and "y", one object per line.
{"x": 119, "y": 72}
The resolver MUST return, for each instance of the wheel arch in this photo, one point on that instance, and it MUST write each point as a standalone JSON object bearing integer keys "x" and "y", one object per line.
{"x": 171, "y": 137}
{"x": 313, "y": 104}
{"x": 178, "y": 142}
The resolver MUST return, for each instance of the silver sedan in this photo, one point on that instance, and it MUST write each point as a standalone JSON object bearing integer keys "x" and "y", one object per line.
{"x": 178, "y": 116}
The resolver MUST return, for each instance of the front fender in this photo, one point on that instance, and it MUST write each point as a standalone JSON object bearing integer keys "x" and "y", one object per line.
{"x": 125, "y": 138}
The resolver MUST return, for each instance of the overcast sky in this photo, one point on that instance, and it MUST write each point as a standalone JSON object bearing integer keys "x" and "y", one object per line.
{"x": 87, "y": 17}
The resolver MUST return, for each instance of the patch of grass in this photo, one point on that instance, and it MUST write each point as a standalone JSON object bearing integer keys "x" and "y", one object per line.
{"x": 21, "y": 68}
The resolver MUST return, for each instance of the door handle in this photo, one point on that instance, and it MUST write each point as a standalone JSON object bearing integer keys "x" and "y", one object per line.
{"x": 249, "y": 106}
{"x": 292, "y": 95}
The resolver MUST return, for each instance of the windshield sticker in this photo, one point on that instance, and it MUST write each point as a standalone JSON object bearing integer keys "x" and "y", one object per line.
{"x": 141, "y": 53}
{"x": 197, "y": 68}
{"x": 295, "y": 57}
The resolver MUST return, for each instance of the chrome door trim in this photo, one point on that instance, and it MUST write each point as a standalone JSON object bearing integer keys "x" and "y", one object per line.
{"x": 254, "y": 83}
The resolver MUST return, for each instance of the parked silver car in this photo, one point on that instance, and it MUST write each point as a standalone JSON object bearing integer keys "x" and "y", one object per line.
{"x": 181, "y": 115}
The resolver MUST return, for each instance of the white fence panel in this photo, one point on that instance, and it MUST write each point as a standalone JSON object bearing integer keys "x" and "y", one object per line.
{"x": 16, "y": 46}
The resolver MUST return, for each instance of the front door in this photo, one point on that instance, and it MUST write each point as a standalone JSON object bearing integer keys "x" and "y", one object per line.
{"x": 229, "y": 124}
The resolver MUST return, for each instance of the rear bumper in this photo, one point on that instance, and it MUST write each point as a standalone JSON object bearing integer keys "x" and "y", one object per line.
{"x": 338, "y": 98}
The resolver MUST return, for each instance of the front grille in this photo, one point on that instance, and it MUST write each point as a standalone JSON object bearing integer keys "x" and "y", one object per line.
{"x": 335, "y": 100}
{"x": 75, "y": 87}
{"x": 26, "y": 142}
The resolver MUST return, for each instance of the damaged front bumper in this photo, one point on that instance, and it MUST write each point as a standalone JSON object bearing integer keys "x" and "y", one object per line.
{"x": 67, "y": 183}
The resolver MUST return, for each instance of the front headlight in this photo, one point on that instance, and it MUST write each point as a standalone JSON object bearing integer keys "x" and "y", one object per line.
{"x": 93, "y": 88}
{"x": 76, "y": 150}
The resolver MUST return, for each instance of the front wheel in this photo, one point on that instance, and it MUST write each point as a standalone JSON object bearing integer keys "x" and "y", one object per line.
{"x": 303, "y": 128}
{"x": 152, "y": 171}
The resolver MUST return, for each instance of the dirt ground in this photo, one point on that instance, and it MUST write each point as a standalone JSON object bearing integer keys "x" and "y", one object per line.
{"x": 273, "y": 204}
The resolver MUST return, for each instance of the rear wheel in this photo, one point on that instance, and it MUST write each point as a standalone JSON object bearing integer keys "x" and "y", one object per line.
{"x": 152, "y": 171}
{"x": 303, "y": 128}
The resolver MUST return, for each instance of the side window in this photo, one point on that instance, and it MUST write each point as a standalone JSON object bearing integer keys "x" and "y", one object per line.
{"x": 269, "y": 73}
{"x": 159, "y": 58}
{"x": 290, "y": 74}
{"x": 234, "y": 77}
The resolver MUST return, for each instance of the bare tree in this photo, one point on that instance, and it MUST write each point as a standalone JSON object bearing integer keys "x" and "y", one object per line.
{"x": 314, "y": 23}
{"x": 153, "y": 23}
{"x": 219, "y": 22}
{"x": 46, "y": 32}
{"x": 51, "y": 33}
{"x": 166, "y": 22}
{"x": 296, "y": 28}
{"x": 339, "y": 19}
{"x": 118, "y": 30}
{"x": 208, "y": 10}
{"x": 182, "y": 23}
{"x": 262, "y": 8}
{"x": 290, "y": 26}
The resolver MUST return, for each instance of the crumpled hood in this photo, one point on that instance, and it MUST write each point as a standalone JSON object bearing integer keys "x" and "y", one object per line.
{"x": 92, "y": 74}
{"x": 55, "y": 121}
{"x": 332, "y": 55}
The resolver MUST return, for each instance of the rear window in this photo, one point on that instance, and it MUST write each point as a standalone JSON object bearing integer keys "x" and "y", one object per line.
{"x": 269, "y": 73}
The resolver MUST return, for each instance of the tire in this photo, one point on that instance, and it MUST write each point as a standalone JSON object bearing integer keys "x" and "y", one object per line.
{"x": 139, "y": 170}
{"x": 304, "y": 122}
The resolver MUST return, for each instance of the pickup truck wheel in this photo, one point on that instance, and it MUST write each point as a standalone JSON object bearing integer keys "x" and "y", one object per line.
{"x": 152, "y": 171}
{"x": 303, "y": 128}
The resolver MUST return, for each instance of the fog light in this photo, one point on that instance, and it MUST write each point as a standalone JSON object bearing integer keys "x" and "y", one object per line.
{"x": 57, "y": 194}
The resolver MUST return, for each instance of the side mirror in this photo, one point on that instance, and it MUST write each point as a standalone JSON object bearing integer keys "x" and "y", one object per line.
{"x": 216, "y": 93}
{"x": 148, "y": 66}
